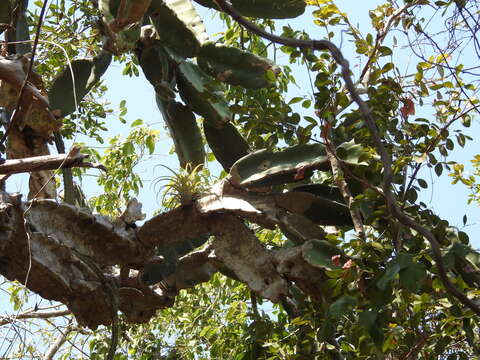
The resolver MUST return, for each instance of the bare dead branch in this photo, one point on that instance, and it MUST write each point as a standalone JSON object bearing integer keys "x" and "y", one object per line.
{"x": 34, "y": 315}
{"x": 47, "y": 162}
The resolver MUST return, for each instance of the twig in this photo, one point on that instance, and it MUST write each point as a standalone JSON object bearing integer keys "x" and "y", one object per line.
{"x": 431, "y": 147}
{"x": 14, "y": 117}
{"x": 68, "y": 188}
{"x": 53, "y": 349}
{"x": 34, "y": 315}
{"x": 342, "y": 185}
{"x": 392, "y": 205}
{"x": 381, "y": 36}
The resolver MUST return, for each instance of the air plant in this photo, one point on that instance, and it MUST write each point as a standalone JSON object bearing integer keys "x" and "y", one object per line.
{"x": 182, "y": 186}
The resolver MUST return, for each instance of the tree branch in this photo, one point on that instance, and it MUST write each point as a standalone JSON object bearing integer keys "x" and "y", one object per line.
{"x": 34, "y": 315}
{"x": 68, "y": 188}
{"x": 47, "y": 162}
{"x": 53, "y": 349}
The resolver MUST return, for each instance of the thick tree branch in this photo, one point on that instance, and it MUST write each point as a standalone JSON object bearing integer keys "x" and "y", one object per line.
{"x": 392, "y": 204}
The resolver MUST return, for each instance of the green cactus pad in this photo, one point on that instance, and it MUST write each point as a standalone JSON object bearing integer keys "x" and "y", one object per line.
{"x": 154, "y": 62}
{"x": 178, "y": 25}
{"x": 201, "y": 93}
{"x": 132, "y": 12}
{"x": 184, "y": 131}
{"x": 226, "y": 143}
{"x": 154, "y": 273}
{"x": 87, "y": 72}
{"x": 268, "y": 168}
{"x": 235, "y": 66}
{"x": 269, "y": 9}
{"x": 321, "y": 210}
{"x": 5, "y": 10}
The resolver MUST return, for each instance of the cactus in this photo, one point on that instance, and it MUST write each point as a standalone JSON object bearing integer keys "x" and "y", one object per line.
{"x": 154, "y": 62}
{"x": 120, "y": 17}
{"x": 269, "y": 9}
{"x": 235, "y": 66}
{"x": 226, "y": 143}
{"x": 198, "y": 90}
{"x": 178, "y": 25}
{"x": 267, "y": 168}
{"x": 184, "y": 131}
{"x": 321, "y": 210}
{"x": 87, "y": 73}
{"x": 5, "y": 10}
{"x": 154, "y": 273}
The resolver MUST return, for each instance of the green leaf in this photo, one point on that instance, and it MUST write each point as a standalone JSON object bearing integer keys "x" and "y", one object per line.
{"x": 137, "y": 123}
{"x": 390, "y": 273}
{"x": 342, "y": 306}
{"x": 351, "y": 153}
{"x": 319, "y": 253}
{"x": 413, "y": 276}
{"x": 368, "y": 319}
{"x": 150, "y": 142}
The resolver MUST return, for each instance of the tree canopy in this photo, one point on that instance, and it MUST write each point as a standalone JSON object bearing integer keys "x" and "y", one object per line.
{"x": 293, "y": 227}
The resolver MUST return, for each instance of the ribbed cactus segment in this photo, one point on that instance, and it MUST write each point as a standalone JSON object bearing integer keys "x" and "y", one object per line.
{"x": 325, "y": 191}
{"x": 235, "y": 66}
{"x": 185, "y": 132}
{"x": 120, "y": 17}
{"x": 268, "y": 9}
{"x": 226, "y": 143}
{"x": 178, "y": 25}
{"x": 154, "y": 273}
{"x": 86, "y": 73}
{"x": 268, "y": 168}
{"x": 319, "y": 209}
{"x": 5, "y": 11}
{"x": 154, "y": 62}
{"x": 198, "y": 90}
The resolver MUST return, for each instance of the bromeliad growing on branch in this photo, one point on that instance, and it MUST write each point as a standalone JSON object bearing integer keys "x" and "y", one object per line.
{"x": 318, "y": 215}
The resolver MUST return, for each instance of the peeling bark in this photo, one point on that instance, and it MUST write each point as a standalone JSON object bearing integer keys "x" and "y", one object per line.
{"x": 239, "y": 249}
{"x": 174, "y": 227}
{"x": 82, "y": 260}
